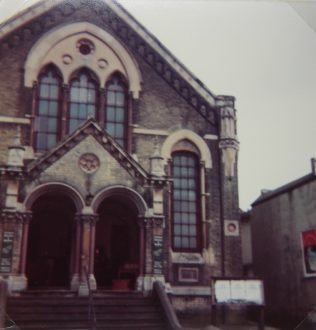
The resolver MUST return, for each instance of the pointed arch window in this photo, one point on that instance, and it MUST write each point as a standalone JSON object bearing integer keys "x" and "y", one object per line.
{"x": 115, "y": 113}
{"x": 82, "y": 100}
{"x": 48, "y": 108}
{"x": 185, "y": 201}
{"x": 60, "y": 108}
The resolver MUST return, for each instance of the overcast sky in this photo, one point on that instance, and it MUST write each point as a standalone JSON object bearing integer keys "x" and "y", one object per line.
{"x": 263, "y": 53}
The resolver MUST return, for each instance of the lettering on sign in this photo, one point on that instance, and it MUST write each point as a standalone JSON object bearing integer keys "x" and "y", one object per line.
{"x": 6, "y": 252}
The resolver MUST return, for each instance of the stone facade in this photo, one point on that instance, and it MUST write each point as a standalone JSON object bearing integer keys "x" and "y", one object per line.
{"x": 168, "y": 107}
{"x": 283, "y": 225}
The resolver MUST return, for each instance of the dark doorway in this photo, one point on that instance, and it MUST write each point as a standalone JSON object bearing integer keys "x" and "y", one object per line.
{"x": 50, "y": 242}
{"x": 116, "y": 264}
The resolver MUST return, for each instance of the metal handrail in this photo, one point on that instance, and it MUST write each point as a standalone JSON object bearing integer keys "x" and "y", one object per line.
{"x": 91, "y": 307}
{"x": 168, "y": 310}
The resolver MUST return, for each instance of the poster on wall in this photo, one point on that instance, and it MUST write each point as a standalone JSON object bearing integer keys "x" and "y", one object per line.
{"x": 309, "y": 251}
{"x": 6, "y": 252}
{"x": 157, "y": 254}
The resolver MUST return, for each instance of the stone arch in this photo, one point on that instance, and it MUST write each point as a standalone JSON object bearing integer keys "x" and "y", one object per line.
{"x": 57, "y": 46}
{"x": 185, "y": 134}
{"x": 54, "y": 187}
{"x": 128, "y": 193}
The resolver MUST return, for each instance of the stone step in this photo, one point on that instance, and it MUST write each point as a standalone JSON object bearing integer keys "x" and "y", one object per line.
{"x": 44, "y": 310}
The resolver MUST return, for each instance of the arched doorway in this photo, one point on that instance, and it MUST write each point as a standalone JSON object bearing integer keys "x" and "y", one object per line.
{"x": 117, "y": 245}
{"x": 50, "y": 241}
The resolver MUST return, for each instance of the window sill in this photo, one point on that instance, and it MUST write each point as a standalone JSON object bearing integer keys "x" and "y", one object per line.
{"x": 187, "y": 258}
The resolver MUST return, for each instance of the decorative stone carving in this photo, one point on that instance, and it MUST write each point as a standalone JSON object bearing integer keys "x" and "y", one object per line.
{"x": 67, "y": 59}
{"x": 89, "y": 163}
{"x": 89, "y": 219}
{"x": 229, "y": 149}
{"x": 12, "y": 216}
{"x": 156, "y": 161}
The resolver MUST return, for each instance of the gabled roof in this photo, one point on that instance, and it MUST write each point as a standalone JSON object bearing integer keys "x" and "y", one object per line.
{"x": 284, "y": 189}
{"x": 90, "y": 127}
{"x": 126, "y": 28}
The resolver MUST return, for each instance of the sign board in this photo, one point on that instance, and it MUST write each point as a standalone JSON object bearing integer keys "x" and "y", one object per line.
{"x": 157, "y": 254}
{"x": 6, "y": 252}
{"x": 243, "y": 291}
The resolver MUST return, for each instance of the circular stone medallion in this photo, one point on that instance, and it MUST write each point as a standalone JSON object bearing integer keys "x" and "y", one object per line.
{"x": 89, "y": 162}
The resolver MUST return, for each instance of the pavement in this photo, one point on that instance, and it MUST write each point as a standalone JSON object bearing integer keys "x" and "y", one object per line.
{"x": 249, "y": 326}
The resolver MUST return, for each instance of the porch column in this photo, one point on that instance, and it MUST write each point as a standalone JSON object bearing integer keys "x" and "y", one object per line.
{"x": 141, "y": 226}
{"x": 154, "y": 256}
{"x": 87, "y": 278}
{"x": 75, "y": 280}
{"x": 25, "y": 219}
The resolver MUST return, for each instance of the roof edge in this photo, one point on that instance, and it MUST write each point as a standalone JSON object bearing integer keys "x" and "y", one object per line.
{"x": 285, "y": 188}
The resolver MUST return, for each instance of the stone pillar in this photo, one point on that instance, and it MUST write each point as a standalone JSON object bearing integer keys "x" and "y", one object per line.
{"x": 75, "y": 279}
{"x": 25, "y": 219}
{"x": 228, "y": 146}
{"x": 155, "y": 262}
{"x": 14, "y": 239}
{"x": 87, "y": 278}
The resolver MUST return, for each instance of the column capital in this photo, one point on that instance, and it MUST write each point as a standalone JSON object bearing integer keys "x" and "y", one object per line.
{"x": 13, "y": 216}
{"x": 151, "y": 221}
{"x": 87, "y": 218}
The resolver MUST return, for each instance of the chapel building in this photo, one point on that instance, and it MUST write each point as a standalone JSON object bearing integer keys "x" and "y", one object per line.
{"x": 115, "y": 160}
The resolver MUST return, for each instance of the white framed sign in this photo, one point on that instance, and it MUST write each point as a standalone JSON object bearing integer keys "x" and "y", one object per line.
{"x": 243, "y": 291}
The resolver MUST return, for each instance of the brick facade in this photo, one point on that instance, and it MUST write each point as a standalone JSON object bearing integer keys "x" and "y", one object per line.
{"x": 168, "y": 102}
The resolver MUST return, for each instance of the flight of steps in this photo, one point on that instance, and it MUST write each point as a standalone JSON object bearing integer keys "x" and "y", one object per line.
{"x": 62, "y": 310}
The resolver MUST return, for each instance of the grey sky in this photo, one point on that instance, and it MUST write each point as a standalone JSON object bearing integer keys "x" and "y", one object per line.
{"x": 262, "y": 52}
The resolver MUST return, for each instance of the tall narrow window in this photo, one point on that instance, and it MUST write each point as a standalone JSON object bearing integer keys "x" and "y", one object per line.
{"x": 47, "y": 113}
{"x": 116, "y": 109}
{"x": 83, "y": 97}
{"x": 185, "y": 172}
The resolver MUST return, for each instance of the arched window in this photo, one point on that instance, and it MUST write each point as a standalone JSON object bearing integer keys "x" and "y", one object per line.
{"x": 58, "y": 113}
{"x": 116, "y": 109}
{"x": 186, "y": 201}
{"x": 48, "y": 110}
{"x": 82, "y": 101}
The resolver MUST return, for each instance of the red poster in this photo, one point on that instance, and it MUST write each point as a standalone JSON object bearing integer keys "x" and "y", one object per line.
{"x": 309, "y": 246}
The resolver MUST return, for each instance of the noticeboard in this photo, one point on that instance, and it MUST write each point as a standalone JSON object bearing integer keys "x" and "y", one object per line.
{"x": 242, "y": 291}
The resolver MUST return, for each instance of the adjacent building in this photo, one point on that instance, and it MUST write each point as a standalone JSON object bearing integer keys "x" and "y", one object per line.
{"x": 116, "y": 161}
{"x": 283, "y": 226}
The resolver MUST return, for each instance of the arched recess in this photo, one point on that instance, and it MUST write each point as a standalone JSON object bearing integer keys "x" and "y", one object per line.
{"x": 185, "y": 134}
{"x": 54, "y": 187}
{"x": 119, "y": 239}
{"x": 128, "y": 193}
{"x": 60, "y": 46}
